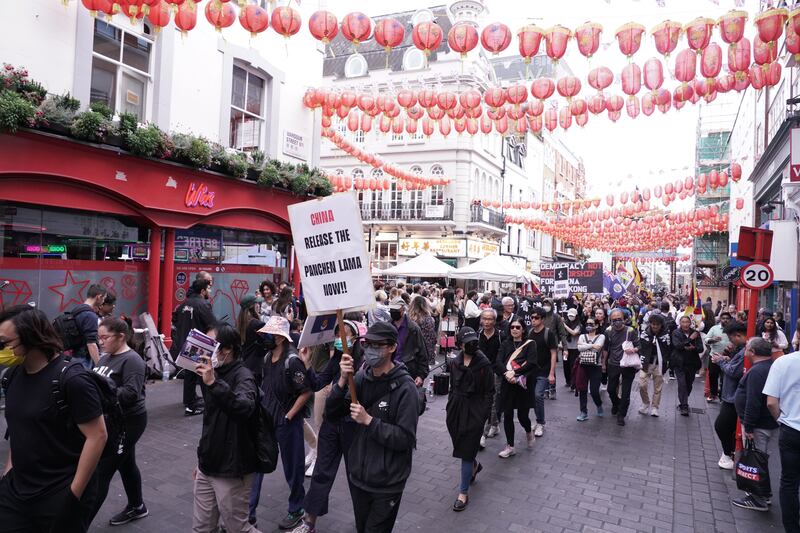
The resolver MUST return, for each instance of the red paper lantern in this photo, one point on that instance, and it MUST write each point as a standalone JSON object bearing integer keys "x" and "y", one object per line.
{"x": 698, "y": 33}
{"x": 462, "y": 38}
{"x": 666, "y": 36}
{"x": 770, "y": 25}
{"x": 600, "y": 78}
{"x": 792, "y": 41}
{"x": 648, "y": 104}
{"x": 543, "y": 88}
{"x": 186, "y": 18}
{"x": 551, "y": 119}
{"x": 427, "y": 36}
{"x": 740, "y": 204}
{"x": 632, "y": 107}
{"x": 723, "y": 179}
{"x": 470, "y": 99}
{"x": 389, "y": 33}
{"x": 711, "y": 61}
{"x": 736, "y": 172}
{"x": 530, "y": 38}
{"x": 446, "y": 100}
{"x": 406, "y": 98}
{"x": 159, "y": 16}
{"x": 556, "y": 40}
{"x": 614, "y": 104}
{"x": 774, "y": 74}
{"x": 495, "y": 37}
{"x": 286, "y": 21}
{"x": 588, "y": 38}
{"x": 731, "y": 26}
{"x": 631, "y": 79}
{"x": 763, "y": 52}
{"x": 629, "y": 38}
{"x": 653, "y": 74}
{"x": 578, "y": 106}
{"x": 323, "y": 26}
{"x": 103, "y": 6}
{"x": 494, "y": 97}
{"x": 535, "y": 123}
{"x": 356, "y": 28}
{"x": 220, "y": 15}
{"x": 758, "y": 77}
{"x": 428, "y": 98}
{"x": 582, "y": 120}
{"x": 516, "y": 94}
{"x": 613, "y": 116}
{"x": 568, "y": 86}
{"x": 739, "y": 57}
{"x": 255, "y": 19}
{"x": 686, "y": 66}
{"x": 596, "y": 104}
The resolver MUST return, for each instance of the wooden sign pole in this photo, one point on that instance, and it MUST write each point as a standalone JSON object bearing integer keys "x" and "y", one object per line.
{"x": 351, "y": 382}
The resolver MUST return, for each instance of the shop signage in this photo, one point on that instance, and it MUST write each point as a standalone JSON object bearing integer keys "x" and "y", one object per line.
{"x": 46, "y": 249}
{"x": 434, "y": 211}
{"x": 794, "y": 155}
{"x": 440, "y": 247}
{"x": 295, "y": 145}
{"x": 386, "y": 237}
{"x": 583, "y": 277}
{"x": 331, "y": 254}
{"x": 198, "y": 195}
{"x": 479, "y": 250}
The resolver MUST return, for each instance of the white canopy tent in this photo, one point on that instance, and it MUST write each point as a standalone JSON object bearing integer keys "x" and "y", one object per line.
{"x": 493, "y": 268}
{"x": 425, "y": 265}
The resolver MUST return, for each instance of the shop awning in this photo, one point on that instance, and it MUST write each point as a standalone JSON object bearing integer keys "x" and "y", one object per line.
{"x": 493, "y": 268}
{"x": 425, "y": 265}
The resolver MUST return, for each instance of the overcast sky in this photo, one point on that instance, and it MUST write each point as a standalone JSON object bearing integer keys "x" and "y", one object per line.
{"x": 647, "y": 150}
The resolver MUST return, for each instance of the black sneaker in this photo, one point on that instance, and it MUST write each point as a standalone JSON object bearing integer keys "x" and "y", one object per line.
{"x": 193, "y": 411}
{"x": 129, "y": 515}
{"x": 614, "y": 409}
{"x": 750, "y": 502}
{"x": 620, "y": 421}
{"x": 291, "y": 520}
{"x": 684, "y": 411}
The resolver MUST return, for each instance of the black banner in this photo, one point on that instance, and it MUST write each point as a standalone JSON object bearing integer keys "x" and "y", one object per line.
{"x": 584, "y": 277}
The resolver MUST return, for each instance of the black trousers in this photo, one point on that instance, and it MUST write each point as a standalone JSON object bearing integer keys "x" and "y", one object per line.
{"x": 593, "y": 376}
{"x": 685, "y": 377}
{"x": 190, "y": 383}
{"x": 333, "y": 441}
{"x": 572, "y": 354}
{"x": 789, "y": 445}
{"x": 125, "y": 464}
{"x": 375, "y": 512}
{"x": 59, "y": 512}
{"x": 725, "y": 426}
{"x": 713, "y": 379}
{"x": 620, "y": 376}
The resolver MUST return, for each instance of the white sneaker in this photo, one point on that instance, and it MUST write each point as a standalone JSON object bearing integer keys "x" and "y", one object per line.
{"x": 654, "y": 412}
{"x": 310, "y": 469}
{"x": 725, "y": 462}
{"x": 538, "y": 430}
{"x": 508, "y": 451}
{"x": 311, "y": 457}
{"x": 483, "y": 441}
{"x": 645, "y": 410}
{"x": 493, "y": 431}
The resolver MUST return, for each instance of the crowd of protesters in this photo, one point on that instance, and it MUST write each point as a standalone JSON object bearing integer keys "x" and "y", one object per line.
{"x": 358, "y": 399}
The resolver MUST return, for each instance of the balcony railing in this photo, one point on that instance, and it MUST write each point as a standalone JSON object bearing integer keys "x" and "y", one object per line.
{"x": 484, "y": 215}
{"x": 407, "y": 211}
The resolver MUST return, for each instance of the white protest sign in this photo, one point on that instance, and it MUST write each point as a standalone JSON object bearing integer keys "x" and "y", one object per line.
{"x": 329, "y": 245}
{"x": 561, "y": 282}
{"x": 318, "y": 330}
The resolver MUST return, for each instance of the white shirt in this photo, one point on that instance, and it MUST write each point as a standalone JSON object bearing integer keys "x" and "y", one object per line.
{"x": 783, "y": 383}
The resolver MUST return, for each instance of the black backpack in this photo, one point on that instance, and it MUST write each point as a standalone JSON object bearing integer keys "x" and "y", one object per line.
{"x": 262, "y": 433}
{"x": 67, "y": 329}
{"x": 112, "y": 410}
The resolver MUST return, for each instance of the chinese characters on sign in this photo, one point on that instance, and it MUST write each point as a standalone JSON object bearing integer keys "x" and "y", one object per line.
{"x": 447, "y": 248}
{"x": 294, "y": 145}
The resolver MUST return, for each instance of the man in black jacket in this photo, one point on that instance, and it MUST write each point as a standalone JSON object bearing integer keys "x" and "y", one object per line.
{"x": 411, "y": 348}
{"x": 655, "y": 347}
{"x": 686, "y": 352}
{"x": 379, "y": 458}
{"x": 194, "y": 313}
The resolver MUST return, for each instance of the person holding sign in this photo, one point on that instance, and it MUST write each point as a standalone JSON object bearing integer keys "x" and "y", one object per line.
{"x": 286, "y": 392}
{"x": 379, "y": 458}
{"x": 226, "y": 455}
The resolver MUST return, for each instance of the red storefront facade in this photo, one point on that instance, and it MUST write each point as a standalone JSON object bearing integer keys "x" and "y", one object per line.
{"x": 76, "y": 214}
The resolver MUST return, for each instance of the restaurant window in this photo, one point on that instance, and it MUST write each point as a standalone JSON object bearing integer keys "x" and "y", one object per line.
{"x": 385, "y": 255}
{"x": 247, "y": 109}
{"x": 32, "y": 232}
{"x": 212, "y": 245}
{"x": 121, "y": 68}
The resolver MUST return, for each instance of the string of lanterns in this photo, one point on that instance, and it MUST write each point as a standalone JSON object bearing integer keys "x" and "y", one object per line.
{"x": 668, "y": 193}
{"x": 405, "y": 179}
{"x": 654, "y": 259}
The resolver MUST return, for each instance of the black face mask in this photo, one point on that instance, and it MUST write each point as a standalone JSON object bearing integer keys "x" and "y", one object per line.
{"x": 396, "y": 314}
{"x": 269, "y": 341}
{"x": 471, "y": 347}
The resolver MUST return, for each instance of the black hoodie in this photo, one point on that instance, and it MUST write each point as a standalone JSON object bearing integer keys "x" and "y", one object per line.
{"x": 379, "y": 458}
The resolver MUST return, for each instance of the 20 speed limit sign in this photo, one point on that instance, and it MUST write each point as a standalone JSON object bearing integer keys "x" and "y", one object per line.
{"x": 756, "y": 276}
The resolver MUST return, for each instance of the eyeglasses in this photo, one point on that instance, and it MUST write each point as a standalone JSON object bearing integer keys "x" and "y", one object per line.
{"x": 617, "y": 320}
{"x": 515, "y": 327}
{"x": 535, "y": 317}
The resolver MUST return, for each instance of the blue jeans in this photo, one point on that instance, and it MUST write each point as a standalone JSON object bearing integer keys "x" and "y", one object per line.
{"x": 542, "y": 384}
{"x": 467, "y": 466}
{"x": 292, "y": 452}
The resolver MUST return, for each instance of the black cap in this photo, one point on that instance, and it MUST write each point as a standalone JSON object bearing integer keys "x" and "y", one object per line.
{"x": 466, "y": 334}
{"x": 382, "y": 331}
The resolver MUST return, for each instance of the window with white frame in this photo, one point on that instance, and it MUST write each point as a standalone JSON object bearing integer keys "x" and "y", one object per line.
{"x": 531, "y": 239}
{"x": 415, "y": 196}
{"x": 121, "y": 63}
{"x": 398, "y": 137}
{"x": 413, "y": 59}
{"x": 356, "y": 66}
{"x": 247, "y": 109}
{"x": 358, "y": 136}
{"x": 437, "y": 191}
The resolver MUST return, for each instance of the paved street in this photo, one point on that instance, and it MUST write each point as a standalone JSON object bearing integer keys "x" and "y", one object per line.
{"x": 653, "y": 475}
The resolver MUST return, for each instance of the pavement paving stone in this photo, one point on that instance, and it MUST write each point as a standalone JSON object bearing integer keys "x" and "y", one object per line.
{"x": 654, "y": 475}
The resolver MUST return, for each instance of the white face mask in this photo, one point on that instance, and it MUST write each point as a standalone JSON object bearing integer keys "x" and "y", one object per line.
{"x": 547, "y": 308}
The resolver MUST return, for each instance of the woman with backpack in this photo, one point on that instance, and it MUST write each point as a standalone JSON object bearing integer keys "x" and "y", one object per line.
{"x": 47, "y": 483}
{"x": 590, "y": 344}
{"x": 517, "y": 365}
{"x": 226, "y": 454}
{"x": 126, "y": 369}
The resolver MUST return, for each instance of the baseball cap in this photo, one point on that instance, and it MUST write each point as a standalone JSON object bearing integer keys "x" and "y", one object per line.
{"x": 382, "y": 331}
{"x": 466, "y": 334}
{"x": 572, "y": 312}
{"x": 397, "y": 303}
{"x": 249, "y": 299}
